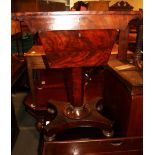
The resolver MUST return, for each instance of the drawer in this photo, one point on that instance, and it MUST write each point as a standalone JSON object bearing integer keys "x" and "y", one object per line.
{"x": 112, "y": 146}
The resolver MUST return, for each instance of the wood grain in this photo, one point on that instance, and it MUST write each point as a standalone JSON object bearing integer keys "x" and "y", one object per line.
{"x": 78, "y": 48}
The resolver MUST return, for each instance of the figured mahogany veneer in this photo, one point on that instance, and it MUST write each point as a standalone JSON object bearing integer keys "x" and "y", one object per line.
{"x": 77, "y": 48}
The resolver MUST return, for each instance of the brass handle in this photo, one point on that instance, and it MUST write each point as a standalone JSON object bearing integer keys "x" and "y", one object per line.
{"x": 116, "y": 143}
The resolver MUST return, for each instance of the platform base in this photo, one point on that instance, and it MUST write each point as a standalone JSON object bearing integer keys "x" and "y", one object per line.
{"x": 63, "y": 121}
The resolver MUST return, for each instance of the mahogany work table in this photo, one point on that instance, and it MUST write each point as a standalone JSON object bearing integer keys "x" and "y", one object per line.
{"x": 63, "y": 115}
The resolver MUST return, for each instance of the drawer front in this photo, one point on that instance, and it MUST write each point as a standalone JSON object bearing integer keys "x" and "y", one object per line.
{"x": 102, "y": 146}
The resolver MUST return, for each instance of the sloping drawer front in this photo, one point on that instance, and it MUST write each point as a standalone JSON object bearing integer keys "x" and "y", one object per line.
{"x": 120, "y": 146}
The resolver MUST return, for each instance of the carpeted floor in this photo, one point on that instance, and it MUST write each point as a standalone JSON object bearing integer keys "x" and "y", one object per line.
{"x": 28, "y": 137}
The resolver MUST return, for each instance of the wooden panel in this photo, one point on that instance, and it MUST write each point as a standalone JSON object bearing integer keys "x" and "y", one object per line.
{"x": 123, "y": 39}
{"x": 123, "y": 107}
{"x": 101, "y": 146}
{"x": 98, "y": 5}
{"x": 77, "y": 20}
{"x": 52, "y": 6}
{"x": 81, "y": 20}
{"x": 78, "y": 48}
{"x": 25, "y": 5}
{"x": 36, "y": 5}
{"x": 135, "y": 126}
{"x": 132, "y": 152}
{"x": 117, "y": 101}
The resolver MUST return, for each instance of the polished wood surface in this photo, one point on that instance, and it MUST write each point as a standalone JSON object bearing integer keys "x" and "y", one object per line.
{"x": 80, "y": 48}
{"x": 113, "y": 146}
{"x": 75, "y": 20}
{"x": 36, "y": 5}
{"x": 123, "y": 95}
{"x": 83, "y": 20}
{"x": 98, "y": 5}
{"x": 25, "y": 5}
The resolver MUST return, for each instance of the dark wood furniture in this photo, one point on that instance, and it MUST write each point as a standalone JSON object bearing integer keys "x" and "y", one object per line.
{"x": 134, "y": 25}
{"x": 50, "y": 116}
{"x": 98, "y": 5}
{"x": 36, "y": 5}
{"x": 121, "y": 6}
{"x": 123, "y": 95}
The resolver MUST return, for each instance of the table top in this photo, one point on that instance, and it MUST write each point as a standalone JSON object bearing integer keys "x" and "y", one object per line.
{"x": 76, "y": 20}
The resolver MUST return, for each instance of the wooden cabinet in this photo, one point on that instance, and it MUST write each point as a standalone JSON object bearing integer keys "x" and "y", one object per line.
{"x": 123, "y": 98}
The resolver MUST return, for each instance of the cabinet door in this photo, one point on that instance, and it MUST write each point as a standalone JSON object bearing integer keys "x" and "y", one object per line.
{"x": 122, "y": 106}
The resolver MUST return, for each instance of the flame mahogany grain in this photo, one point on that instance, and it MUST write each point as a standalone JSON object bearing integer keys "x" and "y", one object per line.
{"x": 78, "y": 48}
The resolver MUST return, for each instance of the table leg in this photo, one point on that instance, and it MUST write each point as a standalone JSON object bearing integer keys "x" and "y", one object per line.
{"x": 123, "y": 44}
{"x": 77, "y": 109}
